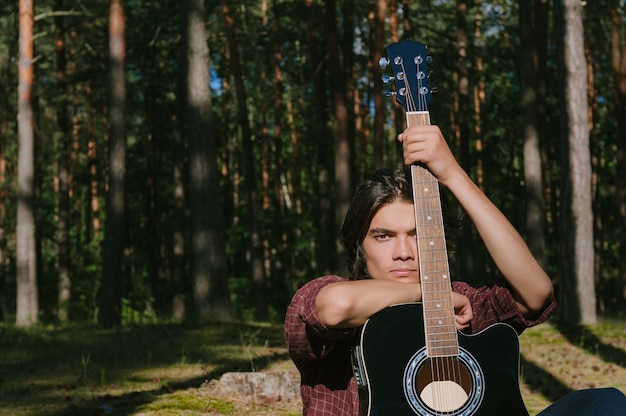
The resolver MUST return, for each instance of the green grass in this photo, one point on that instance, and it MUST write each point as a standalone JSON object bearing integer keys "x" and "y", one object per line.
{"x": 167, "y": 369}
{"x": 136, "y": 370}
{"x": 558, "y": 360}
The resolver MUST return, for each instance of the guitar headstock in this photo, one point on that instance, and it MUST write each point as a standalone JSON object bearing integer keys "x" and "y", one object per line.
{"x": 408, "y": 61}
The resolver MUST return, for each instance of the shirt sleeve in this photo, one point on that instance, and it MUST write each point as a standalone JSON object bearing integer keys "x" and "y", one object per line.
{"x": 495, "y": 303}
{"x": 306, "y": 337}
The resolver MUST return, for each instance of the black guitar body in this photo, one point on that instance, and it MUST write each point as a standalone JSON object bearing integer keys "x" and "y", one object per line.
{"x": 393, "y": 364}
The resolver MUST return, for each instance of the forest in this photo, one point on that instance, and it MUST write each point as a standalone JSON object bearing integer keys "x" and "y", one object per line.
{"x": 193, "y": 160}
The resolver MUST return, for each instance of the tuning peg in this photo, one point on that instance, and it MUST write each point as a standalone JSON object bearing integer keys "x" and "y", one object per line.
{"x": 383, "y": 62}
{"x": 388, "y": 93}
{"x": 386, "y": 78}
{"x": 434, "y": 90}
{"x": 429, "y": 59}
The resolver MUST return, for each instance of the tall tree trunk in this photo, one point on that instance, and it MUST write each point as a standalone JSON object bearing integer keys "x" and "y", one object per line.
{"x": 378, "y": 48}
{"x": 27, "y": 293}
{"x": 323, "y": 140}
{"x": 113, "y": 268}
{"x": 462, "y": 129}
{"x": 342, "y": 146}
{"x": 479, "y": 100}
{"x": 209, "y": 269}
{"x": 256, "y": 248}
{"x": 178, "y": 270}
{"x": 283, "y": 187}
{"x": 92, "y": 212}
{"x": 350, "y": 88}
{"x": 577, "y": 291}
{"x": 63, "y": 173}
{"x": 618, "y": 59}
{"x": 5, "y": 84}
{"x": 533, "y": 172}
{"x": 152, "y": 140}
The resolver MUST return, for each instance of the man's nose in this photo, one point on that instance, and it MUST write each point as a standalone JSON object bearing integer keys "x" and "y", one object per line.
{"x": 404, "y": 248}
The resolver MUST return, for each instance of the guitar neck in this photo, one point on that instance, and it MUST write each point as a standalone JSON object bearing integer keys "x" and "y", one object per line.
{"x": 439, "y": 325}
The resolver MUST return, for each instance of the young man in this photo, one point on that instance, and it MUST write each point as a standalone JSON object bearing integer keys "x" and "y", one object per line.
{"x": 379, "y": 236}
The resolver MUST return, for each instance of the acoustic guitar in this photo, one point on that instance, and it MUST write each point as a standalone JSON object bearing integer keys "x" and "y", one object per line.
{"x": 411, "y": 359}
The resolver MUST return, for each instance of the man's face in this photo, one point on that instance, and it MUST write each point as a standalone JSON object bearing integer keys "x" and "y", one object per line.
{"x": 390, "y": 246}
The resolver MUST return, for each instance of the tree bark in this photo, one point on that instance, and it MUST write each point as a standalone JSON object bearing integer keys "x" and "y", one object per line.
{"x": 63, "y": 174}
{"x": 256, "y": 248}
{"x": 342, "y": 145}
{"x": 4, "y": 128}
{"x": 323, "y": 141}
{"x": 618, "y": 58}
{"x": 533, "y": 171}
{"x": 113, "y": 269}
{"x": 26, "y": 279}
{"x": 577, "y": 289}
{"x": 462, "y": 131}
{"x": 378, "y": 47}
{"x": 208, "y": 270}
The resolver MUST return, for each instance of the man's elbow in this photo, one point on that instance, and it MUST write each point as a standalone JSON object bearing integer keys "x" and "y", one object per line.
{"x": 542, "y": 298}
{"x": 333, "y": 309}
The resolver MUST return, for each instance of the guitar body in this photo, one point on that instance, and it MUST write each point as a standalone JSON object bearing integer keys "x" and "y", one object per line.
{"x": 397, "y": 371}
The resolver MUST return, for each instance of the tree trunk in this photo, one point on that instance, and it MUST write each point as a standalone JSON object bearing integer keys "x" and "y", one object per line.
{"x": 342, "y": 146}
{"x": 618, "y": 55}
{"x": 113, "y": 269}
{"x": 462, "y": 130}
{"x": 577, "y": 291}
{"x": 322, "y": 140}
{"x": 533, "y": 172}
{"x": 399, "y": 118}
{"x": 209, "y": 269}
{"x": 26, "y": 280}
{"x": 5, "y": 84}
{"x": 63, "y": 174}
{"x": 178, "y": 269}
{"x": 256, "y": 249}
{"x": 378, "y": 48}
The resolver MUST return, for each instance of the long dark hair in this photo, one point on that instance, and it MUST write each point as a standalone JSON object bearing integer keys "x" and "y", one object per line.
{"x": 383, "y": 187}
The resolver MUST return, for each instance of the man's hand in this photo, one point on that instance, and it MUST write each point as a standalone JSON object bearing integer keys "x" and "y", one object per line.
{"x": 462, "y": 310}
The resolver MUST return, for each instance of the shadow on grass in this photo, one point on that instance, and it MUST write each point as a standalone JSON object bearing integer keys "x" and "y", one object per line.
{"x": 582, "y": 337}
{"x": 542, "y": 381}
{"x": 91, "y": 371}
{"x": 130, "y": 402}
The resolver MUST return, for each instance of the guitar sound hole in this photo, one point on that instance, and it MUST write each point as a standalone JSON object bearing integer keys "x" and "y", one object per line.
{"x": 444, "y": 384}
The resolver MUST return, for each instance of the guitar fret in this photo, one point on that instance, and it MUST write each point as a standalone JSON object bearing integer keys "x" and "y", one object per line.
{"x": 450, "y": 330}
{"x": 448, "y": 337}
{"x": 437, "y": 304}
{"x": 440, "y": 317}
{"x": 434, "y": 287}
{"x": 446, "y": 341}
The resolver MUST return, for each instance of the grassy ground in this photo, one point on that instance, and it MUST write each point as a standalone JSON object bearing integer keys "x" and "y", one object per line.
{"x": 168, "y": 369}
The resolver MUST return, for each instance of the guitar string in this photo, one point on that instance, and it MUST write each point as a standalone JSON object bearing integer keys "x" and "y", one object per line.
{"x": 442, "y": 368}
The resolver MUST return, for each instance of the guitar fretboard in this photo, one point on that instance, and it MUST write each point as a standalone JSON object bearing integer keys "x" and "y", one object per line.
{"x": 439, "y": 325}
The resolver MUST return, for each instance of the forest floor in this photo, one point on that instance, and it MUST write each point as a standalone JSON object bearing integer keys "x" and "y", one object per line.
{"x": 175, "y": 370}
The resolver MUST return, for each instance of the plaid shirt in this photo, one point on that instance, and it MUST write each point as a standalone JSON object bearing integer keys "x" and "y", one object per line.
{"x": 322, "y": 355}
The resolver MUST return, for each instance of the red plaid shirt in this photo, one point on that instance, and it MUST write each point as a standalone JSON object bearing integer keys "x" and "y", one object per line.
{"x": 322, "y": 355}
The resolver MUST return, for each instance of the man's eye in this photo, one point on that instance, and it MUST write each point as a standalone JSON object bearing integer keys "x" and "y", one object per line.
{"x": 380, "y": 237}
